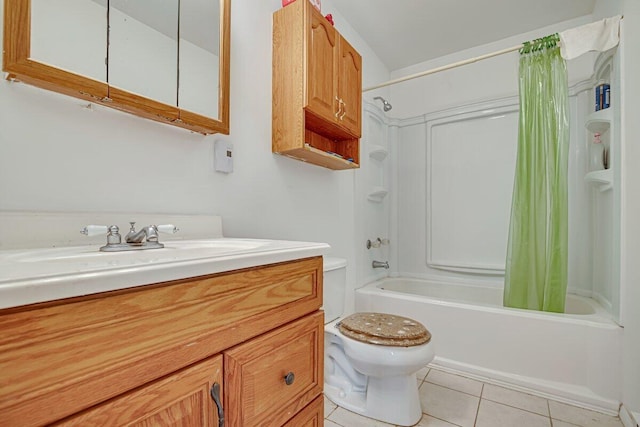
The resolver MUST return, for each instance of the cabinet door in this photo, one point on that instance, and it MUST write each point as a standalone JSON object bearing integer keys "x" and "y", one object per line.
{"x": 180, "y": 399}
{"x": 350, "y": 87}
{"x": 321, "y": 68}
{"x": 275, "y": 375}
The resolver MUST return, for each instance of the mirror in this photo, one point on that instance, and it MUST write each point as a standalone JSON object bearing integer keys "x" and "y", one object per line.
{"x": 167, "y": 60}
{"x": 143, "y": 48}
{"x": 80, "y": 45}
{"x": 199, "y": 56}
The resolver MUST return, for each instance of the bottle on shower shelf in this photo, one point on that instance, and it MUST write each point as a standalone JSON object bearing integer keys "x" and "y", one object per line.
{"x": 597, "y": 153}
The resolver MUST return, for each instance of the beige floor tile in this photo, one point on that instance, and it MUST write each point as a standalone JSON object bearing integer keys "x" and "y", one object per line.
{"x": 329, "y": 407}
{"x": 349, "y": 419}
{"x": 448, "y": 405}
{"x": 492, "y": 414}
{"x": 581, "y": 417}
{"x": 428, "y": 421}
{"x": 328, "y": 423}
{"x": 558, "y": 423}
{"x": 516, "y": 399}
{"x": 455, "y": 382}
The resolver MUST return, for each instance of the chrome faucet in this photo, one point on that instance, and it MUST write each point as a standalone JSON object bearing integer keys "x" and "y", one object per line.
{"x": 146, "y": 238}
{"x": 148, "y": 234}
{"x": 380, "y": 264}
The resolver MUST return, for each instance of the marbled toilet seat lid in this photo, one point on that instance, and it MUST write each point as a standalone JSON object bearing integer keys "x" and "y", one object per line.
{"x": 384, "y": 329}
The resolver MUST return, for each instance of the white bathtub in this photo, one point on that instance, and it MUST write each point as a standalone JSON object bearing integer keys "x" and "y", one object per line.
{"x": 575, "y": 356}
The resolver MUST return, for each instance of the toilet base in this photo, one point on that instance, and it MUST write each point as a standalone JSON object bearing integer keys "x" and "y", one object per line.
{"x": 394, "y": 400}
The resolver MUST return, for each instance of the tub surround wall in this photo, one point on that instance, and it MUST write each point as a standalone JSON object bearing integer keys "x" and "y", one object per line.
{"x": 373, "y": 206}
{"x": 498, "y": 79}
{"x": 436, "y": 100}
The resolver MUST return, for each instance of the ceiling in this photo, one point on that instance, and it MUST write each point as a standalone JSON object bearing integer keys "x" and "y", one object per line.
{"x": 407, "y": 32}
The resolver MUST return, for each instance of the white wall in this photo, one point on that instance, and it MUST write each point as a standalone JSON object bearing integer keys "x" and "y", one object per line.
{"x": 630, "y": 203}
{"x": 630, "y": 274}
{"x": 58, "y": 155}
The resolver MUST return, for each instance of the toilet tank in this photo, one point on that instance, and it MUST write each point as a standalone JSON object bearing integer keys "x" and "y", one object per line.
{"x": 334, "y": 287}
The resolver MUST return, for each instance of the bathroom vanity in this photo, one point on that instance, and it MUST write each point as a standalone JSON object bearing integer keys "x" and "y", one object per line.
{"x": 243, "y": 343}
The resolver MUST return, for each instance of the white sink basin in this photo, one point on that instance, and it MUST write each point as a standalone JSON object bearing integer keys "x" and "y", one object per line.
{"x": 173, "y": 250}
{"x": 37, "y": 275}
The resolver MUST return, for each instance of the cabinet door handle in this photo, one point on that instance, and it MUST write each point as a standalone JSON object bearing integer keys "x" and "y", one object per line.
{"x": 215, "y": 395}
{"x": 289, "y": 378}
{"x": 344, "y": 110}
{"x": 339, "y": 107}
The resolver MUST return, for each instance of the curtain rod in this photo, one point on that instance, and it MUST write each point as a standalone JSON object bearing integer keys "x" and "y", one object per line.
{"x": 445, "y": 67}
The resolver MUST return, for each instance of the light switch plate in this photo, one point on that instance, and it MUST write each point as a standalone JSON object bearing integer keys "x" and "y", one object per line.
{"x": 223, "y": 156}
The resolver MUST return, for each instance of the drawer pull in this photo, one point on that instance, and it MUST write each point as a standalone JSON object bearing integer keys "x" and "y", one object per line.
{"x": 289, "y": 378}
{"x": 215, "y": 395}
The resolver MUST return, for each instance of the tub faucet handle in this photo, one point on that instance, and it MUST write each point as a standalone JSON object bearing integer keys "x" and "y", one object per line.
{"x": 377, "y": 242}
{"x": 374, "y": 243}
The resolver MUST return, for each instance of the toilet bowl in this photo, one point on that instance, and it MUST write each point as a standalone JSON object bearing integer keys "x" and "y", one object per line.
{"x": 371, "y": 358}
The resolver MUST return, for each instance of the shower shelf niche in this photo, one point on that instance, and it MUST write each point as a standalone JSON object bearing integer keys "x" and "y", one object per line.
{"x": 378, "y": 152}
{"x": 377, "y": 194}
{"x": 600, "y": 121}
{"x": 601, "y": 178}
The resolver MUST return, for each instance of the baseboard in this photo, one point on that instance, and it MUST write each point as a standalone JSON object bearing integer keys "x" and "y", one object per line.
{"x": 629, "y": 418}
{"x": 561, "y": 392}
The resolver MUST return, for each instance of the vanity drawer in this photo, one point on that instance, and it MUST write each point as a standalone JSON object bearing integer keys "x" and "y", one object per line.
{"x": 275, "y": 375}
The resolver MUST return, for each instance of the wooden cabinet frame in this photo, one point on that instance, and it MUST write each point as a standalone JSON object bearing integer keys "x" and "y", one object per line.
{"x": 20, "y": 67}
{"x": 317, "y": 94}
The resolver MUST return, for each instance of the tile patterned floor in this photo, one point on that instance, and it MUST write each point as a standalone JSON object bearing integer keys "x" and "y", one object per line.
{"x": 450, "y": 400}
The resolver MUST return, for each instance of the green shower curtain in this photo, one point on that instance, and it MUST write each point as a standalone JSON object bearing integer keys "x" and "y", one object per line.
{"x": 536, "y": 265}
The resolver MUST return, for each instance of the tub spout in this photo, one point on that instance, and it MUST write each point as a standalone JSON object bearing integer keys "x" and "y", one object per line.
{"x": 380, "y": 264}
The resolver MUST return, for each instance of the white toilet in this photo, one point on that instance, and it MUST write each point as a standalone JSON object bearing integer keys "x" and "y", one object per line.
{"x": 372, "y": 370}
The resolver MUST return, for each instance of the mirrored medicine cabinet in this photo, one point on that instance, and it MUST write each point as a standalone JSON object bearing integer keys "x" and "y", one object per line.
{"x": 166, "y": 60}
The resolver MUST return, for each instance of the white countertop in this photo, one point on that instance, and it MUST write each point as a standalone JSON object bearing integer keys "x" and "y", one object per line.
{"x": 29, "y": 276}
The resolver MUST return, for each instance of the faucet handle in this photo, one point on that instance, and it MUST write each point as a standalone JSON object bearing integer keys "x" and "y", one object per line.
{"x": 94, "y": 230}
{"x": 167, "y": 228}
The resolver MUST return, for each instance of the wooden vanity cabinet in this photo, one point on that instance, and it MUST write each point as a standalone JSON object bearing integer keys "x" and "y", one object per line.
{"x": 180, "y": 399}
{"x": 150, "y": 355}
{"x": 311, "y": 416}
{"x": 276, "y": 374}
{"x": 317, "y": 89}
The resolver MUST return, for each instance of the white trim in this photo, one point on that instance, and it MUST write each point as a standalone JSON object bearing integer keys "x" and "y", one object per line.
{"x": 572, "y": 395}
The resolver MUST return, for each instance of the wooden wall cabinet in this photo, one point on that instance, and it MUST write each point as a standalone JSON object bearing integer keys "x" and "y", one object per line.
{"x": 150, "y": 355}
{"x": 317, "y": 89}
